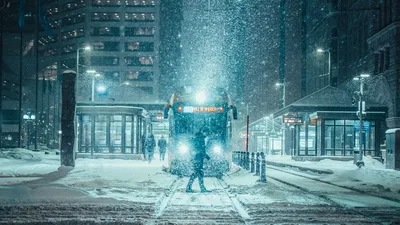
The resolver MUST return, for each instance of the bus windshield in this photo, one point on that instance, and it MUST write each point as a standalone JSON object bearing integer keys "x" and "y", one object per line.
{"x": 190, "y": 123}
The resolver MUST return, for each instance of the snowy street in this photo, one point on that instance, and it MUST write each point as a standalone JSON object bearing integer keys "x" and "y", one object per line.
{"x": 112, "y": 191}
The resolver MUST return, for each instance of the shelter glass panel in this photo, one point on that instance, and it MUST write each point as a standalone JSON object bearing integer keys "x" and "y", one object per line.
{"x": 302, "y": 141}
{"x": 101, "y": 133}
{"x": 128, "y": 132}
{"x": 116, "y": 134}
{"x": 86, "y": 133}
{"x": 311, "y": 140}
{"x": 329, "y": 139}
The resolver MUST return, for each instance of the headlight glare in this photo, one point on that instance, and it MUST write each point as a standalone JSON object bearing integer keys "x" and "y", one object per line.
{"x": 217, "y": 149}
{"x": 183, "y": 148}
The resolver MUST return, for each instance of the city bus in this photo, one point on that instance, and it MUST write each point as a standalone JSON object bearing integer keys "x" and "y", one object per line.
{"x": 189, "y": 111}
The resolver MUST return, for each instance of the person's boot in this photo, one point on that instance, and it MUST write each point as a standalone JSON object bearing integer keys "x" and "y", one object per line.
{"x": 203, "y": 188}
{"x": 189, "y": 185}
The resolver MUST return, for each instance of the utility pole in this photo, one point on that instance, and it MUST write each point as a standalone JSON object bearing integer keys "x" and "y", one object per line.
{"x": 1, "y": 72}
{"x": 247, "y": 128}
{"x": 361, "y": 114}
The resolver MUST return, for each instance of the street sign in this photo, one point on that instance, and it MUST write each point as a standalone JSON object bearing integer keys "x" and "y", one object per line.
{"x": 293, "y": 120}
{"x": 366, "y": 126}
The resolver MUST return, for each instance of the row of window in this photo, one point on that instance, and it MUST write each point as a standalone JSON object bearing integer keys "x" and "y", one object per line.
{"x": 74, "y": 5}
{"x": 114, "y": 16}
{"x": 80, "y": 18}
{"x": 103, "y": 31}
{"x": 132, "y": 46}
{"x": 128, "y": 61}
{"x": 127, "y": 75}
{"x": 129, "y": 3}
{"x": 70, "y": 6}
{"x": 128, "y": 31}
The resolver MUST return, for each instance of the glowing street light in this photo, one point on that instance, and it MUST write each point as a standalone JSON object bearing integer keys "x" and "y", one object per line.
{"x": 320, "y": 50}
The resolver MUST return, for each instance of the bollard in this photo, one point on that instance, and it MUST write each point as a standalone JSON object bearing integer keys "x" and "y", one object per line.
{"x": 263, "y": 177}
{"x": 237, "y": 158}
{"x": 244, "y": 160}
{"x": 252, "y": 163}
{"x": 241, "y": 159}
{"x": 247, "y": 160}
{"x": 258, "y": 164}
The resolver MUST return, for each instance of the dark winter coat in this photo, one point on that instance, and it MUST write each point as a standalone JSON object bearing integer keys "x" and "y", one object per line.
{"x": 150, "y": 144}
{"x": 199, "y": 147}
{"x": 162, "y": 144}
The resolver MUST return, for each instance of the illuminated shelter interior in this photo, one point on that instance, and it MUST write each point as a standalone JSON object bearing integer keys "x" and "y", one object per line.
{"x": 325, "y": 124}
{"x": 110, "y": 128}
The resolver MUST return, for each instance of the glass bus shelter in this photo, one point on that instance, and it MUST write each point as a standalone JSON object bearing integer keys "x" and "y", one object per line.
{"x": 110, "y": 128}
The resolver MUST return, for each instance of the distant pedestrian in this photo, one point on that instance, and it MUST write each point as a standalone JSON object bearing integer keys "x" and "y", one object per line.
{"x": 150, "y": 145}
{"x": 199, "y": 147}
{"x": 143, "y": 145}
{"x": 162, "y": 145}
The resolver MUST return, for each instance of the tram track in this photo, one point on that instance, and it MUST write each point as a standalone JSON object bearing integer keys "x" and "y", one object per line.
{"x": 336, "y": 185}
{"x": 381, "y": 215}
{"x": 198, "y": 208}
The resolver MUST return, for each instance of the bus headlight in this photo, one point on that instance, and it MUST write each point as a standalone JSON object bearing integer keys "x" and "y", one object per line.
{"x": 217, "y": 149}
{"x": 183, "y": 149}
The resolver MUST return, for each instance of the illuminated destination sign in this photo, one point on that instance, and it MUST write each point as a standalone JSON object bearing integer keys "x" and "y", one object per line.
{"x": 206, "y": 109}
{"x": 293, "y": 120}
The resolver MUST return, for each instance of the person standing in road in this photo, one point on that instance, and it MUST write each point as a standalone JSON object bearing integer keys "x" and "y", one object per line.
{"x": 162, "y": 145}
{"x": 150, "y": 145}
{"x": 199, "y": 147}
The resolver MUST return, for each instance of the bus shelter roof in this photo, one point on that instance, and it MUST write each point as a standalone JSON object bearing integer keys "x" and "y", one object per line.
{"x": 329, "y": 99}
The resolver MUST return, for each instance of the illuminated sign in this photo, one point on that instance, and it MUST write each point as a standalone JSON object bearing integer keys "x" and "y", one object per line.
{"x": 208, "y": 109}
{"x": 293, "y": 120}
{"x": 205, "y": 109}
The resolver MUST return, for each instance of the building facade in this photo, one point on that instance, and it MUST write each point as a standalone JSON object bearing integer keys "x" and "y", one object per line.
{"x": 354, "y": 37}
{"x": 124, "y": 37}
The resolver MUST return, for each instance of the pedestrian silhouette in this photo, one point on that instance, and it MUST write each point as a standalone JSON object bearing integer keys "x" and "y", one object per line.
{"x": 162, "y": 145}
{"x": 150, "y": 145}
{"x": 199, "y": 148}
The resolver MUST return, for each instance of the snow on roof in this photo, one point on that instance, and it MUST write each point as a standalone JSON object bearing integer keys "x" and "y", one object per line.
{"x": 329, "y": 96}
{"x": 123, "y": 94}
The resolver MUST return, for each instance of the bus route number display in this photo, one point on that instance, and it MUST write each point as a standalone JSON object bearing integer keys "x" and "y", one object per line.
{"x": 205, "y": 109}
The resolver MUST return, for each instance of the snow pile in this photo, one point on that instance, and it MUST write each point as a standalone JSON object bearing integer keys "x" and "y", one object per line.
{"x": 23, "y": 162}
{"x": 374, "y": 174}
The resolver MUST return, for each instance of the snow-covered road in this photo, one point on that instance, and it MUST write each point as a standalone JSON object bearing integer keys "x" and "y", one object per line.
{"x": 104, "y": 191}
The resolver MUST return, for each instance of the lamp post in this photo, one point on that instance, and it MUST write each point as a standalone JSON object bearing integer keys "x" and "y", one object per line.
{"x": 283, "y": 85}
{"x": 86, "y": 48}
{"x": 94, "y": 74}
{"x": 320, "y": 50}
{"x": 361, "y": 115}
{"x": 29, "y": 118}
{"x": 247, "y": 124}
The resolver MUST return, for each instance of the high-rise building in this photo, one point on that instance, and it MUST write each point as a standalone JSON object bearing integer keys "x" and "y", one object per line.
{"x": 123, "y": 35}
{"x": 121, "y": 67}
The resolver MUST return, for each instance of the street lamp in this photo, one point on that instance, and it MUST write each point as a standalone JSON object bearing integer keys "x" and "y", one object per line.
{"x": 361, "y": 114}
{"x": 320, "y": 50}
{"x": 94, "y": 74}
{"x": 283, "y": 85}
{"x": 86, "y": 48}
{"x": 29, "y": 118}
